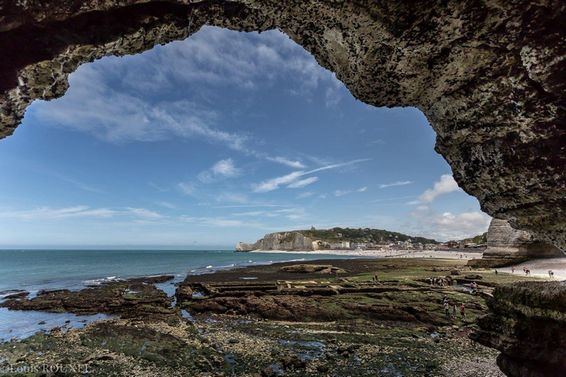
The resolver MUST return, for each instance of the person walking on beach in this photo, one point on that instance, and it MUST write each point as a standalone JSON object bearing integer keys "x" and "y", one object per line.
{"x": 463, "y": 310}
{"x": 527, "y": 272}
{"x": 551, "y": 274}
{"x": 512, "y": 269}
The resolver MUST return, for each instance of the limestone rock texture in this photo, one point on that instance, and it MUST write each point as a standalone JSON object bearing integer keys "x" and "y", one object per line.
{"x": 488, "y": 74}
{"x": 527, "y": 323}
{"x": 288, "y": 241}
{"x": 507, "y": 246}
{"x": 242, "y": 246}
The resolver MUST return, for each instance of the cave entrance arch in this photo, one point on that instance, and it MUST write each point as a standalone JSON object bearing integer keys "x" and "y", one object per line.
{"x": 487, "y": 76}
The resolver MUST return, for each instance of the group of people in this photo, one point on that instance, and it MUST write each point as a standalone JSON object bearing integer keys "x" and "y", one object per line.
{"x": 528, "y": 272}
{"x": 439, "y": 281}
{"x": 451, "y": 308}
{"x": 474, "y": 287}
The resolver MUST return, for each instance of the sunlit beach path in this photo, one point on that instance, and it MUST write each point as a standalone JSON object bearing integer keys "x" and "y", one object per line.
{"x": 540, "y": 267}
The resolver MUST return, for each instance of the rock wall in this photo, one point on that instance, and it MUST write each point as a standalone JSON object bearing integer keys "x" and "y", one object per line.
{"x": 489, "y": 75}
{"x": 289, "y": 241}
{"x": 507, "y": 246}
{"x": 527, "y": 323}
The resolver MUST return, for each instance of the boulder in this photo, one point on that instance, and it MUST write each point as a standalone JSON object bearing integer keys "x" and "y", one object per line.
{"x": 184, "y": 292}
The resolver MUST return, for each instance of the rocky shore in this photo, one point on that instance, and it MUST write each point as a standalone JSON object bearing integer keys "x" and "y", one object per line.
{"x": 132, "y": 298}
{"x": 321, "y": 318}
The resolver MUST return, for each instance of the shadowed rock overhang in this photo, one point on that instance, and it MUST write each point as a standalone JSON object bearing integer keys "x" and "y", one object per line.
{"x": 489, "y": 75}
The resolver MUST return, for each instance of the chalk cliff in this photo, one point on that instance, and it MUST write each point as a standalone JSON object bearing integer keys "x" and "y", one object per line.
{"x": 507, "y": 246}
{"x": 288, "y": 241}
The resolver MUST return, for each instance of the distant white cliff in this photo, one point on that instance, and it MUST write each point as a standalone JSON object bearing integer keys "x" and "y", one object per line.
{"x": 288, "y": 241}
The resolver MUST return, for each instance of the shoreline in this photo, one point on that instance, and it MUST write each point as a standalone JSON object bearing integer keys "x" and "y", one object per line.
{"x": 425, "y": 254}
{"x": 309, "y": 320}
{"x": 33, "y": 322}
{"x": 269, "y": 270}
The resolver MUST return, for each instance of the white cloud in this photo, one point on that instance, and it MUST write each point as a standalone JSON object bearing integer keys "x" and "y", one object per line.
{"x": 157, "y": 187}
{"x": 249, "y": 213}
{"x": 57, "y": 213}
{"x": 292, "y": 213}
{"x": 274, "y": 183}
{"x": 303, "y": 182}
{"x": 295, "y": 213}
{"x": 144, "y": 213}
{"x": 117, "y": 99}
{"x": 445, "y": 185}
{"x": 394, "y": 184}
{"x": 447, "y": 225}
{"x": 288, "y": 179}
{"x": 305, "y": 194}
{"x": 392, "y": 199}
{"x": 232, "y": 197}
{"x": 166, "y": 205}
{"x": 221, "y": 169}
{"x": 221, "y": 222}
{"x": 339, "y": 193}
{"x": 74, "y": 182}
{"x": 225, "y": 168}
{"x": 332, "y": 96}
{"x": 186, "y": 188}
{"x": 377, "y": 142}
{"x": 220, "y": 57}
{"x": 339, "y": 165}
{"x": 81, "y": 211}
{"x": 285, "y": 161}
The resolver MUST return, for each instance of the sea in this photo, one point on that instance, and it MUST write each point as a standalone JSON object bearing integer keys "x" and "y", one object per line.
{"x": 34, "y": 270}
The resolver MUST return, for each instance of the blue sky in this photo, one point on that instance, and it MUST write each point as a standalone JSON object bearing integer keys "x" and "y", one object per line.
{"x": 218, "y": 139}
